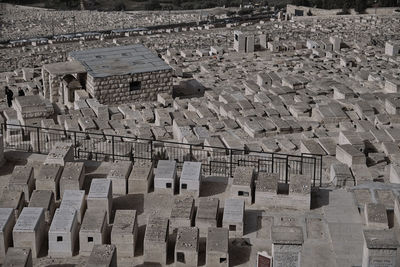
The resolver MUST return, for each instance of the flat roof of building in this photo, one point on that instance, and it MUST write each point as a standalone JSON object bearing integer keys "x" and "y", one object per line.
{"x": 120, "y": 60}
{"x": 63, "y": 68}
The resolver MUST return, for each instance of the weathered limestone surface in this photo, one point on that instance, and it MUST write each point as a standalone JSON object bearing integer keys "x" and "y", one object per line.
{"x": 103, "y": 256}
{"x": 72, "y": 177}
{"x": 217, "y": 247}
{"x": 207, "y": 214}
{"x": 187, "y": 246}
{"x": 119, "y": 174}
{"x": 156, "y": 240}
{"x": 100, "y": 196}
{"x": 29, "y": 230}
{"x": 92, "y": 231}
{"x": 7, "y": 222}
{"x": 49, "y": 178}
{"x": 124, "y": 232}
{"x": 233, "y": 218}
{"x": 74, "y": 199}
{"x": 60, "y": 154}
{"x": 18, "y": 257}
{"x": 380, "y": 248}
{"x": 243, "y": 184}
{"x": 116, "y": 88}
{"x": 140, "y": 179}
{"x": 182, "y": 213}
{"x": 190, "y": 180}
{"x": 63, "y": 233}
{"x": 22, "y": 180}
{"x": 44, "y": 199}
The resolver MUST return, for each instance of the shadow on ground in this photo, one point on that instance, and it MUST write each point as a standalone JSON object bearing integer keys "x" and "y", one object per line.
{"x": 320, "y": 198}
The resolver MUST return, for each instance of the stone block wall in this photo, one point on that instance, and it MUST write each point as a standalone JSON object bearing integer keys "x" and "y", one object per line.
{"x": 55, "y": 82}
{"x": 116, "y": 89}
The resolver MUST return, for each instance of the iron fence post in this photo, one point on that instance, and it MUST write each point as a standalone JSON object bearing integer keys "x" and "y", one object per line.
{"x": 38, "y": 139}
{"x": 132, "y": 156}
{"x": 315, "y": 171}
{"x": 112, "y": 147}
{"x": 191, "y": 152}
{"x": 272, "y": 167}
{"x": 320, "y": 171}
{"x": 287, "y": 169}
{"x": 301, "y": 164}
{"x": 230, "y": 163}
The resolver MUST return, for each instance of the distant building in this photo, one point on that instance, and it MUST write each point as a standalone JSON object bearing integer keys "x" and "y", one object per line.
{"x": 392, "y": 48}
{"x": 243, "y": 42}
{"x": 113, "y": 75}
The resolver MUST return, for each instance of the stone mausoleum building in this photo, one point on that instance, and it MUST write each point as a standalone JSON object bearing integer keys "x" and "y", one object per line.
{"x": 112, "y": 75}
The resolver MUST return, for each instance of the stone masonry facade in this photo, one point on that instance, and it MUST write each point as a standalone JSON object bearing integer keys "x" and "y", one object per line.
{"x": 117, "y": 89}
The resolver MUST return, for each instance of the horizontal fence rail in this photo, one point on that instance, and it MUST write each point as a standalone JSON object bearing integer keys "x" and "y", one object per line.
{"x": 216, "y": 161}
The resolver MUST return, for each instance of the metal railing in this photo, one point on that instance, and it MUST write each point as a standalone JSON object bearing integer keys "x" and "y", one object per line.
{"x": 218, "y": 161}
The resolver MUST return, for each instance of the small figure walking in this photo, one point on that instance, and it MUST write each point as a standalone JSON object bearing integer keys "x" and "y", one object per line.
{"x": 21, "y": 92}
{"x": 9, "y": 95}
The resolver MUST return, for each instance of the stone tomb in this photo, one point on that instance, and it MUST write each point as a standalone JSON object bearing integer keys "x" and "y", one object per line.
{"x": 394, "y": 173}
{"x": 140, "y": 179}
{"x": 49, "y": 178}
{"x": 22, "y": 180}
{"x": 103, "y": 256}
{"x": 72, "y": 177}
{"x": 380, "y": 248}
{"x": 165, "y": 178}
{"x": 18, "y": 257}
{"x": 44, "y": 199}
{"x": 340, "y": 175}
{"x": 7, "y": 221}
{"x": 182, "y": 213}
{"x": 217, "y": 247}
{"x": 100, "y": 196}
{"x": 63, "y": 233}
{"x": 32, "y": 108}
{"x": 13, "y": 200}
{"x": 187, "y": 247}
{"x": 100, "y": 110}
{"x": 29, "y": 230}
{"x": 109, "y": 68}
{"x": 299, "y": 192}
{"x": 74, "y": 199}
{"x": 93, "y": 230}
{"x": 190, "y": 181}
{"x": 119, "y": 174}
{"x": 207, "y": 214}
{"x": 286, "y": 245}
{"x": 349, "y": 155}
{"x": 266, "y": 188}
{"x": 234, "y": 217}
{"x": 60, "y": 153}
{"x": 156, "y": 240}
{"x": 376, "y": 216}
{"x": 124, "y": 232}
{"x": 243, "y": 183}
